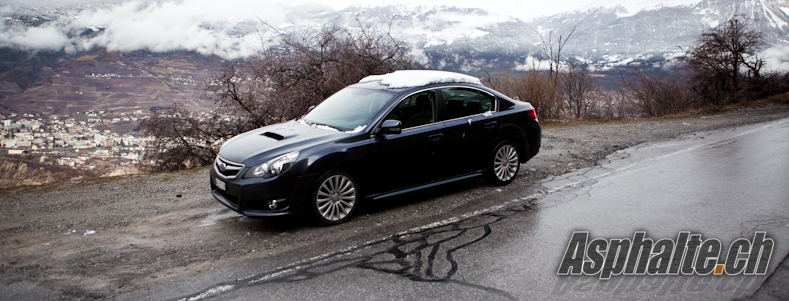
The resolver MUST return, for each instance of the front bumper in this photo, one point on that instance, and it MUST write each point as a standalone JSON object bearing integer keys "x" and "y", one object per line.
{"x": 251, "y": 196}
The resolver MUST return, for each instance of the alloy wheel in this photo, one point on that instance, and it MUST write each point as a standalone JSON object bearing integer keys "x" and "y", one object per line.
{"x": 505, "y": 163}
{"x": 336, "y": 197}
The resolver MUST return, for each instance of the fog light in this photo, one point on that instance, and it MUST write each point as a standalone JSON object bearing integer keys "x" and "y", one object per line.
{"x": 272, "y": 204}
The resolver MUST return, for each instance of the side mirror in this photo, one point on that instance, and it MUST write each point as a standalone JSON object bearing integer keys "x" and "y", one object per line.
{"x": 390, "y": 126}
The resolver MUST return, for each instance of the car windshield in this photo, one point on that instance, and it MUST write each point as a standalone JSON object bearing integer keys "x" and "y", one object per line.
{"x": 349, "y": 109}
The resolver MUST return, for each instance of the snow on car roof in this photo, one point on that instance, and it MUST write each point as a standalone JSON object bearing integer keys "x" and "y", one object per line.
{"x": 416, "y": 78}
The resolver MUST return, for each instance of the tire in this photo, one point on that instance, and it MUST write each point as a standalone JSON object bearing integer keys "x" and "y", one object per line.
{"x": 504, "y": 164}
{"x": 334, "y": 197}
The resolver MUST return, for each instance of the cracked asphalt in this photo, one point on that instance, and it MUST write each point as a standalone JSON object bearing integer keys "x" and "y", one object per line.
{"x": 162, "y": 236}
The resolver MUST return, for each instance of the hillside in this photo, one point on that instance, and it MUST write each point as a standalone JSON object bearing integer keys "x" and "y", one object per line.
{"x": 17, "y": 170}
{"x": 110, "y": 81}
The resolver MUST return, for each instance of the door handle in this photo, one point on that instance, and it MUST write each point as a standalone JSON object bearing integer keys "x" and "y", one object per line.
{"x": 490, "y": 125}
{"x": 435, "y": 137}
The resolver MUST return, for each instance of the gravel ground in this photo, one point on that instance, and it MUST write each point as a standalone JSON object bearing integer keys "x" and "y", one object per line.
{"x": 99, "y": 238}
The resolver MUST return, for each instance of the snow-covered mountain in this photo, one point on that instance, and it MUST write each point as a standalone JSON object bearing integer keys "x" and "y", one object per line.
{"x": 604, "y": 35}
{"x": 445, "y": 36}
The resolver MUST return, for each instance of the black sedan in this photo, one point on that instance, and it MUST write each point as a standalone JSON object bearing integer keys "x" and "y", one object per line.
{"x": 384, "y": 136}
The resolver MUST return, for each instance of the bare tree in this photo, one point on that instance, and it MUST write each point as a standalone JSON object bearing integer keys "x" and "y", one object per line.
{"x": 554, "y": 56}
{"x": 312, "y": 64}
{"x": 579, "y": 89}
{"x": 491, "y": 82}
{"x": 239, "y": 89}
{"x": 724, "y": 62}
{"x": 539, "y": 88}
{"x": 306, "y": 67}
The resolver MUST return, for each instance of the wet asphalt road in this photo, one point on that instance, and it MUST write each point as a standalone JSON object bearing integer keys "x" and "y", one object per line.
{"x": 724, "y": 184}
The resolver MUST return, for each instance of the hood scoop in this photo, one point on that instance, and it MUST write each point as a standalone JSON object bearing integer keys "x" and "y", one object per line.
{"x": 274, "y": 136}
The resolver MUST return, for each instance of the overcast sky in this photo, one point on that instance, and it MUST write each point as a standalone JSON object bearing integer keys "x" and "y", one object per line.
{"x": 523, "y": 9}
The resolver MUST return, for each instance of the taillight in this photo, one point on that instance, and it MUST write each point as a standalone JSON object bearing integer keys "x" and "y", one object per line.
{"x": 532, "y": 114}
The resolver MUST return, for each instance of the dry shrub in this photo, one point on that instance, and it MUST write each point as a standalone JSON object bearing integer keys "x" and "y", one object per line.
{"x": 606, "y": 105}
{"x": 185, "y": 139}
{"x": 538, "y": 88}
{"x": 566, "y": 93}
{"x": 658, "y": 94}
{"x": 781, "y": 99}
{"x": 772, "y": 83}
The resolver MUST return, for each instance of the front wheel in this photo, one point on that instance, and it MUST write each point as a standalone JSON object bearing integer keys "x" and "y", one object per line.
{"x": 504, "y": 164}
{"x": 335, "y": 197}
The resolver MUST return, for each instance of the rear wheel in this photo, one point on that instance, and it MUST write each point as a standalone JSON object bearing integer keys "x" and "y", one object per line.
{"x": 504, "y": 164}
{"x": 335, "y": 197}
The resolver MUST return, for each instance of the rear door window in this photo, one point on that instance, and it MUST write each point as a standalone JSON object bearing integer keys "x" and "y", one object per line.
{"x": 461, "y": 102}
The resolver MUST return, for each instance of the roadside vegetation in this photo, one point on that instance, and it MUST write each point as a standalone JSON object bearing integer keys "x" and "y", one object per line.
{"x": 280, "y": 84}
{"x": 722, "y": 69}
{"x": 305, "y": 67}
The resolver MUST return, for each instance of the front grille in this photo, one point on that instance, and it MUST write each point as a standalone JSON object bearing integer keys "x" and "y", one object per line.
{"x": 227, "y": 168}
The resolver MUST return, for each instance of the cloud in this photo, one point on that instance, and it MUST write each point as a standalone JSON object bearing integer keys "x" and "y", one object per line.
{"x": 230, "y": 29}
{"x": 532, "y": 63}
{"x": 446, "y": 27}
{"x": 45, "y": 37}
{"x": 776, "y": 58}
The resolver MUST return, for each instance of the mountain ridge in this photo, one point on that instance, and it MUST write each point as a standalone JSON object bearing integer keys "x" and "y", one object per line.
{"x": 446, "y": 36}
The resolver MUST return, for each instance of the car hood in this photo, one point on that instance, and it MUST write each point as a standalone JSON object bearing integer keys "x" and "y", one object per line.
{"x": 259, "y": 145}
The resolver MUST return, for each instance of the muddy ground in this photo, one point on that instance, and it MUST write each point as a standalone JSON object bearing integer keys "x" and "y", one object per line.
{"x": 99, "y": 238}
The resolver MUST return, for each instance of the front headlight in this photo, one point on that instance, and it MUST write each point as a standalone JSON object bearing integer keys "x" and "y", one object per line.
{"x": 273, "y": 167}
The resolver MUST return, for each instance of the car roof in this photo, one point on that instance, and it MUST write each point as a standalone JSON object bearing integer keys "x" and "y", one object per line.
{"x": 419, "y": 78}
{"x": 408, "y": 90}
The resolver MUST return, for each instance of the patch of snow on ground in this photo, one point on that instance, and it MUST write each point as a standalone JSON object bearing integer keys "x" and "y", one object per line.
{"x": 416, "y": 78}
{"x": 218, "y": 215}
